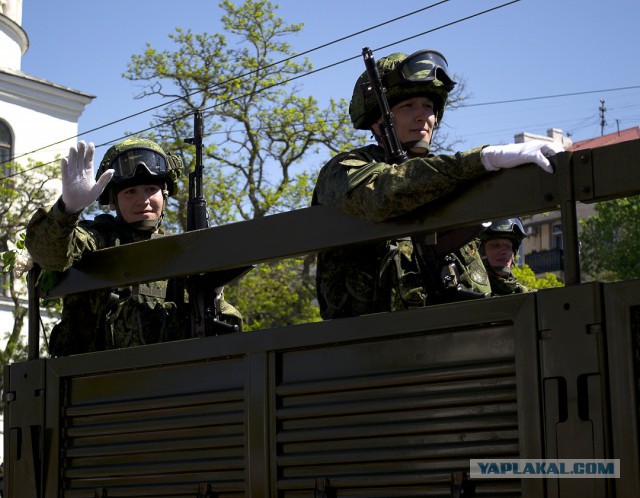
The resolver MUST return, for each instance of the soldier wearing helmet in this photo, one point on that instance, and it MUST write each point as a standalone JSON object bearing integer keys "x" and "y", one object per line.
{"x": 361, "y": 182}
{"x": 138, "y": 162}
{"x": 135, "y": 179}
{"x": 499, "y": 244}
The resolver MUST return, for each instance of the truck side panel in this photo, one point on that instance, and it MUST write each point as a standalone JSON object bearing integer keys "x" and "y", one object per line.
{"x": 382, "y": 405}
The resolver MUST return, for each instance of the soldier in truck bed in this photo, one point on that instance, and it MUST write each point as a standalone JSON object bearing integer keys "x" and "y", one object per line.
{"x": 385, "y": 276}
{"x": 499, "y": 244}
{"x": 135, "y": 179}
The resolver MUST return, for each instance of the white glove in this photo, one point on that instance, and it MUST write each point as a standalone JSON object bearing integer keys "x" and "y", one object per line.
{"x": 79, "y": 189}
{"x": 23, "y": 263}
{"x": 497, "y": 157}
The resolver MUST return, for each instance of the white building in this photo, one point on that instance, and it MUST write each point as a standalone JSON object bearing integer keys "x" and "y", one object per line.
{"x": 38, "y": 118}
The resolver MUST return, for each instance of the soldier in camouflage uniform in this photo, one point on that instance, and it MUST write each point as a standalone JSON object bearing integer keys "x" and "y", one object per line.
{"x": 498, "y": 246}
{"x": 385, "y": 276}
{"x": 135, "y": 179}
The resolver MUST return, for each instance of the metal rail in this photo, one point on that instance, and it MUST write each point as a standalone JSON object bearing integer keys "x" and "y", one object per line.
{"x": 587, "y": 176}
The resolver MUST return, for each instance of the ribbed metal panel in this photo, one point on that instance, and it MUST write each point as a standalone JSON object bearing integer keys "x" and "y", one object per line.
{"x": 397, "y": 417}
{"x": 157, "y": 439}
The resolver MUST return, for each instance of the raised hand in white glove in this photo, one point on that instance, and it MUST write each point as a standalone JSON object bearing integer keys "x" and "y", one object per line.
{"x": 495, "y": 157}
{"x": 79, "y": 189}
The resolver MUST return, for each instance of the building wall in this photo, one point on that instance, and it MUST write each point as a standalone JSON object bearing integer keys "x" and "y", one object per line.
{"x": 13, "y": 39}
{"x": 39, "y": 114}
{"x": 545, "y": 237}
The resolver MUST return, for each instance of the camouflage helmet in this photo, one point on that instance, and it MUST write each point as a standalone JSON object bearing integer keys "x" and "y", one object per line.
{"x": 511, "y": 229}
{"x": 423, "y": 73}
{"x": 139, "y": 160}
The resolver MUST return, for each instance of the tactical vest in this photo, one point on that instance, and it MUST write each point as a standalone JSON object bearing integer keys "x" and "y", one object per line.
{"x": 386, "y": 276}
{"x": 392, "y": 275}
{"x": 116, "y": 318}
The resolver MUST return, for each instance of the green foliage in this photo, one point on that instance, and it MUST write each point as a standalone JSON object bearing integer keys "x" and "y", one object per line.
{"x": 527, "y": 278}
{"x": 610, "y": 240}
{"x": 263, "y": 143}
{"x": 275, "y": 295}
{"x": 28, "y": 189}
{"x": 263, "y": 139}
{"x": 260, "y": 132}
{"x": 10, "y": 256}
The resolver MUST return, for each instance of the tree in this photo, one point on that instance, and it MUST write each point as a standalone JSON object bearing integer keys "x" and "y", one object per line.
{"x": 264, "y": 140}
{"x": 259, "y": 131}
{"x": 23, "y": 189}
{"x": 276, "y": 295}
{"x": 610, "y": 240}
{"x": 527, "y": 278}
{"x": 441, "y": 143}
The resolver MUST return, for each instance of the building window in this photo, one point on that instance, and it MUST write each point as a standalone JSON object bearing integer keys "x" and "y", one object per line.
{"x": 556, "y": 237}
{"x": 6, "y": 154}
{"x": 6, "y": 147}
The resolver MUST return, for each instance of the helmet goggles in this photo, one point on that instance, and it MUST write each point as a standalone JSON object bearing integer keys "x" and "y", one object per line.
{"x": 421, "y": 67}
{"x": 511, "y": 225}
{"x": 127, "y": 163}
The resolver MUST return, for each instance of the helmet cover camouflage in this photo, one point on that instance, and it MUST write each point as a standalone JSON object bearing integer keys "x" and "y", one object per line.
{"x": 434, "y": 83}
{"x": 168, "y": 177}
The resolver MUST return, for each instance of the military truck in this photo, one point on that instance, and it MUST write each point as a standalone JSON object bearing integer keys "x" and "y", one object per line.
{"x": 383, "y": 405}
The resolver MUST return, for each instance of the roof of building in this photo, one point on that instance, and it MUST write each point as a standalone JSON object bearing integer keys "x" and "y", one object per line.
{"x": 611, "y": 138}
{"x": 40, "y": 81}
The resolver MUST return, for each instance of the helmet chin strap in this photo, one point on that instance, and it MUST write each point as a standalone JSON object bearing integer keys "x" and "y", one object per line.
{"x": 407, "y": 145}
{"x": 501, "y": 270}
{"x": 422, "y": 144}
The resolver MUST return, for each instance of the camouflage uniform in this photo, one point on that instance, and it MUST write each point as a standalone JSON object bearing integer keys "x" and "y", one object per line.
{"x": 107, "y": 319}
{"x": 513, "y": 230}
{"x": 383, "y": 276}
{"x": 503, "y": 286}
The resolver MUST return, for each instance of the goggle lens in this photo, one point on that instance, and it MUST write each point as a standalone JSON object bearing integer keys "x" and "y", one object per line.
{"x": 422, "y": 66}
{"x": 507, "y": 225}
{"x": 127, "y": 163}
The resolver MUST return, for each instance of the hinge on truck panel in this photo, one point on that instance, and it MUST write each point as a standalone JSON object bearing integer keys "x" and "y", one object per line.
{"x": 323, "y": 489}
{"x": 205, "y": 491}
{"x": 24, "y": 426}
{"x": 461, "y": 486}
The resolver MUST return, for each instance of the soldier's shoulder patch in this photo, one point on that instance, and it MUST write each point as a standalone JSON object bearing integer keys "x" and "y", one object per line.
{"x": 353, "y": 162}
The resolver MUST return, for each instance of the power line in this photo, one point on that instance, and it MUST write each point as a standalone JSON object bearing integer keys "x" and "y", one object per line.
{"x": 528, "y": 99}
{"x": 268, "y": 87}
{"x": 249, "y": 73}
{"x": 524, "y": 99}
{"x": 304, "y": 75}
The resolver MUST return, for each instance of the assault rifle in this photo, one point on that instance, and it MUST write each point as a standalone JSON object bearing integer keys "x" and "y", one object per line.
{"x": 437, "y": 267}
{"x": 394, "y": 153}
{"x": 204, "y": 290}
{"x": 197, "y": 206}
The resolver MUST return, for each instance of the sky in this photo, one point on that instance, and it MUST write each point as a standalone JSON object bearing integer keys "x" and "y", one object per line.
{"x": 530, "y": 65}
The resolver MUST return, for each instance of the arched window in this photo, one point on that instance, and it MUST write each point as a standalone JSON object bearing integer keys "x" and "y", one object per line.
{"x": 6, "y": 154}
{"x": 6, "y": 146}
